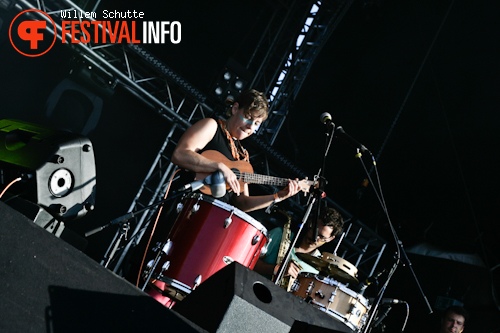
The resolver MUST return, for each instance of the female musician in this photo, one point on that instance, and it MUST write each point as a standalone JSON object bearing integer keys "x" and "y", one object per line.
{"x": 246, "y": 114}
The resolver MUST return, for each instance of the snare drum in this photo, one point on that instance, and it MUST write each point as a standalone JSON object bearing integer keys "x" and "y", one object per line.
{"x": 207, "y": 236}
{"x": 332, "y": 297}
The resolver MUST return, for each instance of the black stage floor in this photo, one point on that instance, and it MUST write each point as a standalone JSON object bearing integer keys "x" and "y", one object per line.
{"x": 50, "y": 286}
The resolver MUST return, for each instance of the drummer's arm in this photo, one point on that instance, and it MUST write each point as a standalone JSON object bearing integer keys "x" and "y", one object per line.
{"x": 265, "y": 268}
{"x": 248, "y": 203}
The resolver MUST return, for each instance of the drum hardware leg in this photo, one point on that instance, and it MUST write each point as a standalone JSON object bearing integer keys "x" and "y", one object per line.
{"x": 147, "y": 269}
{"x": 362, "y": 321}
{"x": 156, "y": 247}
{"x": 117, "y": 241}
{"x": 195, "y": 208}
{"x": 227, "y": 260}
{"x": 228, "y": 220}
{"x": 309, "y": 288}
{"x": 197, "y": 282}
{"x": 167, "y": 247}
{"x": 165, "y": 267}
{"x": 320, "y": 294}
{"x": 151, "y": 267}
{"x": 255, "y": 239}
{"x": 355, "y": 311}
{"x": 332, "y": 296}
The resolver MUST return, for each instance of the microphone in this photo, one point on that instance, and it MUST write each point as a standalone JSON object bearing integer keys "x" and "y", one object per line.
{"x": 326, "y": 119}
{"x": 369, "y": 280}
{"x": 392, "y": 301}
{"x": 353, "y": 142}
{"x": 216, "y": 182}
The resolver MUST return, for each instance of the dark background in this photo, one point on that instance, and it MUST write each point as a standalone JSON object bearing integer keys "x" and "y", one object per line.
{"x": 414, "y": 81}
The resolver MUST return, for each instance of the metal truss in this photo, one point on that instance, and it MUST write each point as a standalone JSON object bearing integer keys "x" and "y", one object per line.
{"x": 151, "y": 81}
{"x": 360, "y": 245}
{"x": 280, "y": 64}
{"x": 290, "y": 56}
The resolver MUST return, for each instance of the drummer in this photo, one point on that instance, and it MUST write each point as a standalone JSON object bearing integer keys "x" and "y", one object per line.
{"x": 245, "y": 114}
{"x": 330, "y": 224}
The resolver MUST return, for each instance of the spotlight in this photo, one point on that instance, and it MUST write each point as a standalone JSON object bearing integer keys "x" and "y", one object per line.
{"x": 232, "y": 80}
{"x": 238, "y": 84}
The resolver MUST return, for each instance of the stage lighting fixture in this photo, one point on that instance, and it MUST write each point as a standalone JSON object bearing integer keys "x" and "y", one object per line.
{"x": 232, "y": 80}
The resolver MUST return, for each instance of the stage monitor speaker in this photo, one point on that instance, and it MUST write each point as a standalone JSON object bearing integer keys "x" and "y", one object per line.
{"x": 237, "y": 299}
{"x": 57, "y": 168}
{"x": 49, "y": 286}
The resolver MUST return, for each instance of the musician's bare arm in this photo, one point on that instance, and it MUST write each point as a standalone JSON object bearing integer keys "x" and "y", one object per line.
{"x": 248, "y": 203}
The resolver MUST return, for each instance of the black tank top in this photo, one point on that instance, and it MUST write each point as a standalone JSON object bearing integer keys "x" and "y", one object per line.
{"x": 220, "y": 144}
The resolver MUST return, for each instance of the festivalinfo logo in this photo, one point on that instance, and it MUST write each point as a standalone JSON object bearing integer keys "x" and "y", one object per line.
{"x": 33, "y": 32}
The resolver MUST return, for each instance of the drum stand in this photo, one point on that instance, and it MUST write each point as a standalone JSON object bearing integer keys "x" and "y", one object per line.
{"x": 123, "y": 222}
{"x": 285, "y": 260}
{"x": 119, "y": 237}
{"x": 374, "y": 309}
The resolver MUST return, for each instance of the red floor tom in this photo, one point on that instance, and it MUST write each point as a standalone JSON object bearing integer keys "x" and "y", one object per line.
{"x": 207, "y": 235}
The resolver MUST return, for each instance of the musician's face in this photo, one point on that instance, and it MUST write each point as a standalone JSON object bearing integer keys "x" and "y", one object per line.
{"x": 453, "y": 323}
{"x": 324, "y": 236}
{"x": 242, "y": 125}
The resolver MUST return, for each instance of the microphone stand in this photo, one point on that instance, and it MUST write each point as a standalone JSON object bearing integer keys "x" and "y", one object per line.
{"x": 316, "y": 194}
{"x": 410, "y": 266}
{"x": 123, "y": 222}
{"x": 329, "y": 135}
{"x": 285, "y": 260}
{"x": 400, "y": 250}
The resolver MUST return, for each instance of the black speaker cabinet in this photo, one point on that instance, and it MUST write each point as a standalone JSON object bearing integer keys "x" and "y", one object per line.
{"x": 57, "y": 168}
{"x": 49, "y": 286}
{"x": 237, "y": 299}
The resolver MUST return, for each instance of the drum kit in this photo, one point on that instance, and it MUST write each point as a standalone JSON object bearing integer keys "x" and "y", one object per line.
{"x": 209, "y": 234}
{"x": 328, "y": 290}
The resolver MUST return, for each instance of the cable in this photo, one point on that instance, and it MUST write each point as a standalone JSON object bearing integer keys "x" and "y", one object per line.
{"x": 407, "y": 316}
{"x": 18, "y": 179}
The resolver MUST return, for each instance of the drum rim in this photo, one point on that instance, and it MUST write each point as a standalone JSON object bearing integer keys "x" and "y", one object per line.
{"x": 337, "y": 315}
{"x": 315, "y": 276}
{"x": 343, "y": 287}
{"x": 223, "y": 205}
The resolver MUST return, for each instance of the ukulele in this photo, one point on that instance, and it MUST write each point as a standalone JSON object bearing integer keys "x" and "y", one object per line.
{"x": 244, "y": 172}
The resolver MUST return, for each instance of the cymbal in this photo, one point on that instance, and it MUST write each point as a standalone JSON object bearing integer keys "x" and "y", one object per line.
{"x": 333, "y": 266}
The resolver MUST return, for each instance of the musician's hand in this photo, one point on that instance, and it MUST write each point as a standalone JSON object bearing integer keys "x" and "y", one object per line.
{"x": 230, "y": 178}
{"x": 293, "y": 270}
{"x": 292, "y": 188}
